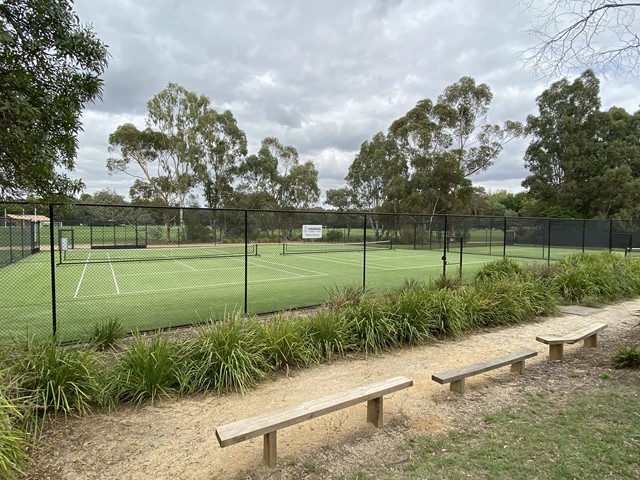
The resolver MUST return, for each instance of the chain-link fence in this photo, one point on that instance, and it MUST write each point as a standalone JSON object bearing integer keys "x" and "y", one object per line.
{"x": 67, "y": 268}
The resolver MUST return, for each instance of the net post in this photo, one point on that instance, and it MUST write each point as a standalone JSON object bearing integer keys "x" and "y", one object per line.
{"x": 11, "y": 242}
{"x": 610, "y": 235}
{"x": 461, "y": 247}
{"x": 584, "y": 228}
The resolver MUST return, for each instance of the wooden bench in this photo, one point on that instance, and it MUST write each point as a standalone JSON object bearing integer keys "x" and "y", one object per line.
{"x": 556, "y": 344}
{"x": 268, "y": 424}
{"x": 457, "y": 376}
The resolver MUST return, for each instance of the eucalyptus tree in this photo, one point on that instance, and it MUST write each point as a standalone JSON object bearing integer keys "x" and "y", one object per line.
{"x": 223, "y": 145}
{"x": 163, "y": 157}
{"x": 50, "y": 68}
{"x": 446, "y": 142}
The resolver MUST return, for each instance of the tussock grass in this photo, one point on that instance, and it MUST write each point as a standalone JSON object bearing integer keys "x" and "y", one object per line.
{"x": 286, "y": 343}
{"x": 107, "y": 334}
{"x": 225, "y": 356}
{"x": 52, "y": 379}
{"x": 13, "y": 439}
{"x": 329, "y": 335}
{"x": 627, "y": 357}
{"x": 146, "y": 371}
{"x": 600, "y": 277}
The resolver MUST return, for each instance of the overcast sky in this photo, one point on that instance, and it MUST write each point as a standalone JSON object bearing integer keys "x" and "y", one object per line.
{"x": 322, "y": 76}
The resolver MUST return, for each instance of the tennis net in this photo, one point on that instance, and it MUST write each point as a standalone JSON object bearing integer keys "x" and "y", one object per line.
{"x": 316, "y": 247}
{"x": 104, "y": 255}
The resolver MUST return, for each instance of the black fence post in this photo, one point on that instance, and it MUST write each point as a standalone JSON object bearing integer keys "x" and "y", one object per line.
{"x": 364, "y": 255}
{"x": 53, "y": 270}
{"x": 584, "y": 230}
{"x": 610, "y": 235}
{"x": 504, "y": 241}
{"x": 548, "y": 245}
{"x": 446, "y": 244}
{"x": 246, "y": 262}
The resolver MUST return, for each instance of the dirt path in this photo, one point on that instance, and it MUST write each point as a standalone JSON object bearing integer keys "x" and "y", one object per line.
{"x": 175, "y": 438}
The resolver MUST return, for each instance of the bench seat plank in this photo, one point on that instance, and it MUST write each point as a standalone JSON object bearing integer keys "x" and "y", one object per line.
{"x": 572, "y": 337}
{"x": 483, "y": 366}
{"x": 239, "y": 431}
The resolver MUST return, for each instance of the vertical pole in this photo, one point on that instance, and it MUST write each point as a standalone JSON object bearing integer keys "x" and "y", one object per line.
{"x": 22, "y": 238}
{"x": 461, "y": 247}
{"x": 584, "y": 228}
{"x": 549, "y": 245}
{"x": 415, "y": 233}
{"x": 504, "y": 240}
{"x": 91, "y": 235}
{"x": 114, "y": 233}
{"x": 10, "y": 243}
{"x": 246, "y": 262}
{"x": 53, "y": 271}
{"x": 364, "y": 256}
{"x": 610, "y": 235}
{"x": 444, "y": 253}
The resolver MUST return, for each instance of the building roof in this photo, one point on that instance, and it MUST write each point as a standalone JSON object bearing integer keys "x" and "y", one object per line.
{"x": 30, "y": 218}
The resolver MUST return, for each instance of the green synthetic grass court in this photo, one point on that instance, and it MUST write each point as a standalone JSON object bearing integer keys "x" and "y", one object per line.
{"x": 179, "y": 290}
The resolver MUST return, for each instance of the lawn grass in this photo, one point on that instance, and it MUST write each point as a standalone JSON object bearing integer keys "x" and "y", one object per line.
{"x": 586, "y": 434}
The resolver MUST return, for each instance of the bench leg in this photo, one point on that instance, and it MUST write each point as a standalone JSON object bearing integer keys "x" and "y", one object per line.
{"x": 556, "y": 352}
{"x": 270, "y": 453}
{"x": 374, "y": 412}
{"x": 591, "y": 342}
{"x": 457, "y": 386}
{"x": 518, "y": 367}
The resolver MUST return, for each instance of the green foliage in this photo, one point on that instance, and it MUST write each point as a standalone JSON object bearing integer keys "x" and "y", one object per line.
{"x": 627, "y": 357}
{"x": 53, "y": 379}
{"x": 225, "y": 356}
{"x": 371, "y": 325}
{"x": 51, "y": 67}
{"x": 286, "y": 343}
{"x": 501, "y": 269}
{"x": 344, "y": 296}
{"x": 600, "y": 277}
{"x": 329, "y": 334}
{"x": 334, "y": 236}
{"x": 106, "y": 334}
{"x": 146, "y": 371}
{"x": 13, "y": 440}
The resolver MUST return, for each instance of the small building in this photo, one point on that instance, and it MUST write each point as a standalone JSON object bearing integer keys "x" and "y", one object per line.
{"x": 16, "y": 220}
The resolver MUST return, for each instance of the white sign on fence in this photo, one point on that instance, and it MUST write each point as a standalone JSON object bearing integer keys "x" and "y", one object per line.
{"x": 311, "y": 231}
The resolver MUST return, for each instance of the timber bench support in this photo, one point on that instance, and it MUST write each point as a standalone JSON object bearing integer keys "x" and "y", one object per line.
{"x": 457, "y": 376}
{"x": 268, "y": 424}
{"x": 556, "y": 344}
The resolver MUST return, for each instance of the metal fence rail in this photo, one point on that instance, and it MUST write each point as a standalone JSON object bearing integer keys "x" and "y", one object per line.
{"x": 155, "y": 267}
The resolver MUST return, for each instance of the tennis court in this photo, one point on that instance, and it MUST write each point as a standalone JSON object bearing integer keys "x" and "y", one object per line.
{"x": 161, "y": 287}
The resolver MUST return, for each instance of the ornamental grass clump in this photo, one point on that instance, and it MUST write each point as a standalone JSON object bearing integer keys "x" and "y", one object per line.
{"x": 13, "y": 439}
{"x": 286, "y": 343}
{"x": 414, "y": 322}
{"x": 145, "y": 371}
{"x": 603, "y": 277}
{"x": 225, "y": 356}
{"x": 503, "y": 268}
{"x": 106, "y": 334}
{"x": 53, "y": 379}
{"x": 371, "y": 325}
{"x": 627, "y": 357}
{"x": 329, "y": 335}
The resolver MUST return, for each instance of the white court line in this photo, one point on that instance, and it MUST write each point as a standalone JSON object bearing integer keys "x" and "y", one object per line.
{"x": 343, "y": 262}
{"x": 113, "y": 274}
{"x": 254, "y": 262}
{"x": 185, "y": 265}
{"x": 75, "y": 295}
{"x": 191, "y": 287}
